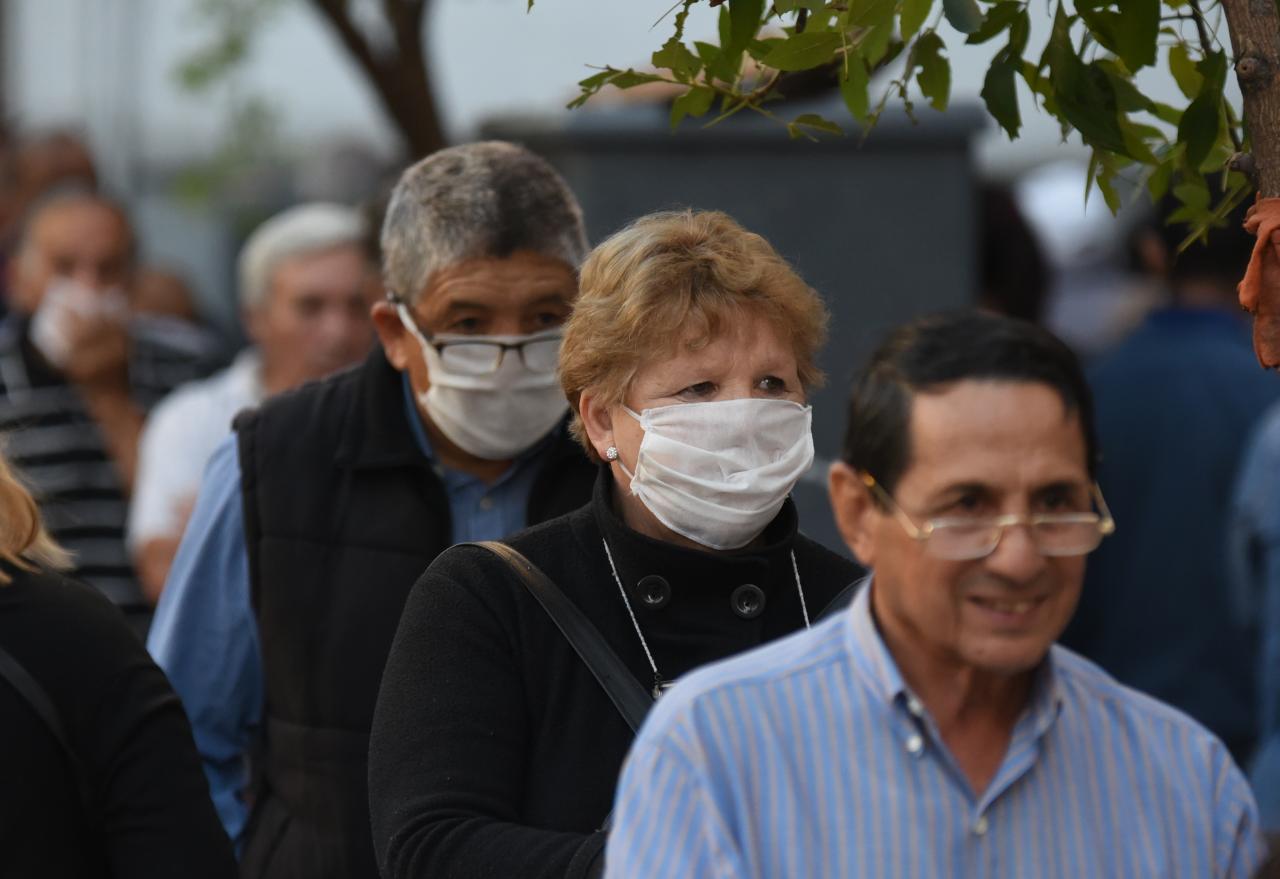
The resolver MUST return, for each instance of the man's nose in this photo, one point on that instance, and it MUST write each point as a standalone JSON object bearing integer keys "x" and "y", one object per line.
{"x": 1016, "y": 557}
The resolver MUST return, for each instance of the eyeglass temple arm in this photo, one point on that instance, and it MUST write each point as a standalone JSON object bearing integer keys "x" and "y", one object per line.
{"x": 913, "y": 530}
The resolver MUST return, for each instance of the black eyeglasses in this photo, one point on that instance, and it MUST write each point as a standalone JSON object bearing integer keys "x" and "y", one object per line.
{"x": 483, "y": 355}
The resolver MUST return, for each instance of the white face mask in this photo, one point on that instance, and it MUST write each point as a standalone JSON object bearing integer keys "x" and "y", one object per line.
{"x": 50, "y": 325}
{"x": 718, "y": 473}
{"x": 497, "y": 415}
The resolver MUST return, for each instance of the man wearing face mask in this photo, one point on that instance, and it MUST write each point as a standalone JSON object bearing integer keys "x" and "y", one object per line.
{"x": 76, "y": 378}
{"x": 313, "y": 523}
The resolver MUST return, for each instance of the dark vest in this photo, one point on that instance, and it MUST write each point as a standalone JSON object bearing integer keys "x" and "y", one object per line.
{"x": 342, "y": 514}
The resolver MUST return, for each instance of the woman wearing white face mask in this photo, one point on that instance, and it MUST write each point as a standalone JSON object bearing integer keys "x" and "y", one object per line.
{"x": 687, "y": 361}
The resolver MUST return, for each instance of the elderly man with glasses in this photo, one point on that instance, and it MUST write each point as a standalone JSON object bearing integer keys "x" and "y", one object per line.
{"x": 313, "y": 523}
{"x": 935, "y": 729}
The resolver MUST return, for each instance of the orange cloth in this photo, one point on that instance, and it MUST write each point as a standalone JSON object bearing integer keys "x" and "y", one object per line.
{"x": 1260, "y": 289}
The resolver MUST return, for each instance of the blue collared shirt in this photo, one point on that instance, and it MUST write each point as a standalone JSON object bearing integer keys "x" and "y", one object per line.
{"x": 811, "y": 757}
{"x": 205, "y": 636}
{"x": 1253, "y": 560}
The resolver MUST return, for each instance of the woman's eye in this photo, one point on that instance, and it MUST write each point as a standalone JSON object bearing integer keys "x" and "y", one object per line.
{"x": 771, "y": 384}
{"x": 698, "y": 391}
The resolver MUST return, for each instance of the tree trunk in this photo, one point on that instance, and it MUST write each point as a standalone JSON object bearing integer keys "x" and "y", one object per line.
{"x": 1255, "y": 39}
{"x": 399, "y": 76}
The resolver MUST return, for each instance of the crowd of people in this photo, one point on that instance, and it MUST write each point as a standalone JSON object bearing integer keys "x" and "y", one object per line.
{"x": 480, "y": 560}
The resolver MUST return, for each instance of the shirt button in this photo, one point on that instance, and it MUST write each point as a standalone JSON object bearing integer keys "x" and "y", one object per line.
{"x": 980, "y": 826}
{"x": 486, "y": 503}
{"x": 914, "y": 706}
{"x": 915, "y": 745}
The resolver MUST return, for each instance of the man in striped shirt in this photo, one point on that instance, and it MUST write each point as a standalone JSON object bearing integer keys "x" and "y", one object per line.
{"x": 935, "y": 730}
{"x": 75, "y": 380}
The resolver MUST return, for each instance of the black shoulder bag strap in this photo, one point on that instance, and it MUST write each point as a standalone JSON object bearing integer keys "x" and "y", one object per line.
{"x": 29, "y": 689}
{"x": 631, "y": 700}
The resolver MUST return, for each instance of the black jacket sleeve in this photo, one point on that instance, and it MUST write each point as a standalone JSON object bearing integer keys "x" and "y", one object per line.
{"x": 150, "y": 813}
{"x": 448, "y": 748}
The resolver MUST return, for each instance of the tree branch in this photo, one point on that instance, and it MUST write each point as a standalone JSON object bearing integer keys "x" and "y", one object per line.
{"x": 1255, "y": 40}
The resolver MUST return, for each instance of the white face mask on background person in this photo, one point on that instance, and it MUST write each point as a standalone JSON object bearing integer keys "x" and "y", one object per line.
{"x": 719, "y": 472}
{"x": 50, "y": 325}
{"x": 492, "y": 414}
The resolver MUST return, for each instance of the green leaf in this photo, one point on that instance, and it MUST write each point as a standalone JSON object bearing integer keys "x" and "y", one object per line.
{"x": 914, "y": 12}
{"x": 999, "y": 19}
{"x": 708, "y": 53}
{"x": 744, "y": 21}
{"x": 1082, "y": 94}
{"x": 806, "y": 124}
{"x": 1131, "y": 34}
{"x": 1158, "y": 182}
{"x": 695, "y": 102}
{"x": 813, "y": 120}
{"x": 871, "y": 13}
{"x": 591, "y": 85}
{"x": 1001, "y": 96}
{"x": 935, "y": 70}
{"x": 676, "y": 57}
{"x": 1202, "y": 121}
{"x": 1184, "y": 71}
{"x": 803, "y": 51}
{"x": 853, "y": 88}
{"x": 964, "y": 15}
{"x": 631, "y": 78}
{"x": 1128, "y": 98}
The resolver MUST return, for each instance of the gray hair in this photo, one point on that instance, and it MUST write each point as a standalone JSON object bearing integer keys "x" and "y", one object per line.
{"x": 476, "y": 201}
{"x": 306, "y": 228}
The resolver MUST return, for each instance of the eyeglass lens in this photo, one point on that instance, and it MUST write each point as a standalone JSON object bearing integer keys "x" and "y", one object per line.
{"x": 483, "y": 358}
{"x": 971, "y": 540}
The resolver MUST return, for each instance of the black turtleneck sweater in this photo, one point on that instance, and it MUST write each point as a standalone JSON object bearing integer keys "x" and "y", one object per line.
{"x": 494, "y": 751}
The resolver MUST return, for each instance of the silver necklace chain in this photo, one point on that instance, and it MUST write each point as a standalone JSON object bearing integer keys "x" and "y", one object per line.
{"x": 659, "y": 685}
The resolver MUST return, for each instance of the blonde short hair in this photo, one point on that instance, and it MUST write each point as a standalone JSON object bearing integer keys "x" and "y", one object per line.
{"x": 673, "y": 277}
{"x": 24, "y": 542}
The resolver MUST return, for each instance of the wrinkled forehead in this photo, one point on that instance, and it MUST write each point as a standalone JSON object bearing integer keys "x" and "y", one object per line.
{"x": 1008, "y": 435}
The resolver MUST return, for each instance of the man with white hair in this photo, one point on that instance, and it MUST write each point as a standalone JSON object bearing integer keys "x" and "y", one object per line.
{"x": 305, "y": 290}
{"x": 314, "y": 522}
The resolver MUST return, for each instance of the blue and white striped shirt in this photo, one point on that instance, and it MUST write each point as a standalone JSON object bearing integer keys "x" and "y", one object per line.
{"x": 811, "y": 758}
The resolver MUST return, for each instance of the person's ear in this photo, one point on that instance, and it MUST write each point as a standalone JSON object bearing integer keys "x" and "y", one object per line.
{"x": 396, "y": 340}
{"x": 855, "y": 511}
{"x": 596, "y": 421}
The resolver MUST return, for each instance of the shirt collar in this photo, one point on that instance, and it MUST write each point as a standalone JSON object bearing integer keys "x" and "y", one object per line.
{"x": 879, "y": 671}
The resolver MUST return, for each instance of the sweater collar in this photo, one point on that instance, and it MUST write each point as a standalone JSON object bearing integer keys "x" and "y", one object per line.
{"x": 765, "y": 564}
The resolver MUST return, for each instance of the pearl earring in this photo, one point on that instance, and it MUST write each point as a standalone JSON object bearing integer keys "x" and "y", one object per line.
{"x": 611, "y": 453}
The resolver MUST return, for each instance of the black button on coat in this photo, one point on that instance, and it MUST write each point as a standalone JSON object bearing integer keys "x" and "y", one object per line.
{"x": 494, "y": 751}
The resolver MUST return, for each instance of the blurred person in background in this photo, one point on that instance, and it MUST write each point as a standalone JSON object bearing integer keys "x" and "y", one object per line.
{"x": 1013, "y": 274}
{"x": 1253, "y": 557}
{"x": 101, "y": 776}
{"x": 688, "y": 362}
{"x": 1094, "y": 298}
{"x": 306, "y": 286}
{"x": 75, "y": 382}
{"x": 1176, "y": 402}
{"x": 314, "y": 520}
